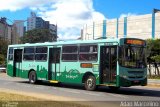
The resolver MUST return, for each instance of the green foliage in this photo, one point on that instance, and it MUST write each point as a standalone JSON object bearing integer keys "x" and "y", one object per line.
{"x": 3, "y": 47}
{"x": 37, "y": 36}
{"x": 2, "y": 60}
{"x": 3, "y": 51}
{"x": 156, "y": 58}
{"x": 154, "y": 77}
{"x": 153, "y": 49}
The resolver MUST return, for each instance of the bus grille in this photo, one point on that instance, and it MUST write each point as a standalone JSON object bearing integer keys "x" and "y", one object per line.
{"x": 134, "y": 77}
{"x": 135, "y": 72}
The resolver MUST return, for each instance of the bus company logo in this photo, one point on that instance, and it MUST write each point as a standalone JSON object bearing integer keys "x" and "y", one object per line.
{"x": 73, "y": 71}
{"x": 71, "y": 76}
{"x": 32, "y": 66}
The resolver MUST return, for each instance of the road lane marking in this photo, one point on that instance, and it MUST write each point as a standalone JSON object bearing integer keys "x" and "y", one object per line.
{"x": 39, "y": 87}
{"x": 71, "y": 91}
{"x": 93, "y": 94}
{"x": 54, "y": 88}
{"x": 23, "y": 85}
{"x": 117, "y": 95}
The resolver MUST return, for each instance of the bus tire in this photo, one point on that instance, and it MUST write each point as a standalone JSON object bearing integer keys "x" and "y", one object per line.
{"x": 32, "y": 77}
{"x": 90, "y": 83}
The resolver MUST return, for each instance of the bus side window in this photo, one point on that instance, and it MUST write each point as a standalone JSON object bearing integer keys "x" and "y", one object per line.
{"x": 10, "y": 54}
{"x": 70, "y": 53}
{"x": 88, "y": 52}
{"x": 29, "y": 53}
{"x": 41, "y": 53}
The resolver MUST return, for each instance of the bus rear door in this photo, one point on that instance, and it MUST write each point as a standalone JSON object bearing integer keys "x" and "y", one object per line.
{"x": 54, "y": 63}
{"x": 108, "y": 64}
{"x": 17, "y": 63}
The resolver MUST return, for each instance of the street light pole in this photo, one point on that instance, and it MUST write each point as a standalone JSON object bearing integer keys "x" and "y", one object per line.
{"x": 153, "y": 22}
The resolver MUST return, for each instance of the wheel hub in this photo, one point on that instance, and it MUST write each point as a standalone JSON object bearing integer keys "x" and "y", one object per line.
{"x": 32, "y": 78}
{"x": 90, "y": 83}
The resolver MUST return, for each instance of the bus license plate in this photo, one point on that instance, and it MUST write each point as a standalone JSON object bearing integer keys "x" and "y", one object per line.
{"x": 136, "y": 81}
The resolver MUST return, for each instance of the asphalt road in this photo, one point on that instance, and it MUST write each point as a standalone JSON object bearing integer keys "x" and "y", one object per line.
{"x": 101, "y": 95}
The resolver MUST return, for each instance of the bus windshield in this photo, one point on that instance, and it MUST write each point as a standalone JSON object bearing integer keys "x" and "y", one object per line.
{"x": 132, "y": 57}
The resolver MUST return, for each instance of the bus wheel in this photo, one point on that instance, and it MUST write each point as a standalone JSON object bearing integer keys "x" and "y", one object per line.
{"x": 113, "y": 88}
{"x": 32, "y": 77}
{"x": 90, "y": 83}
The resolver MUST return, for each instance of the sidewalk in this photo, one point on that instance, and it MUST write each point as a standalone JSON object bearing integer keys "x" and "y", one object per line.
{"x": 154, "y": 82}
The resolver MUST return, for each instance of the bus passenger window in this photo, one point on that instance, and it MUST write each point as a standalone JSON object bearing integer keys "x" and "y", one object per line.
{"x": 41, "y": 53}
{"x": 88, "y": 53}
{"x": 28, "y": 57}
{"x": 70, "y": 53}
{"x": 28, "y": 53}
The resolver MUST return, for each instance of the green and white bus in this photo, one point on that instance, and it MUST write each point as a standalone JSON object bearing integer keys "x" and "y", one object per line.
{"x": 113, "y": 62}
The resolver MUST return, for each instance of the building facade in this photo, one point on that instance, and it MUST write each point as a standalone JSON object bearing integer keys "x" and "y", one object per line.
{"x": 9, "y": 33}
{"x": 31, "y": 21}
{"x": 19, "y": 24}
{"x": 34, "y": 22}
{"x": 53, "y": 31}
{"x": 140, "y": 26}
{"x": 5, "y": 30}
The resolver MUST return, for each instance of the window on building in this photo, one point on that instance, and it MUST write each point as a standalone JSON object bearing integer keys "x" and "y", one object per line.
{"x": 70, "y": 53}
{"x": 88, "y": 53}
{"x": 41, "y": 53}
{"x": 28, "y": 53}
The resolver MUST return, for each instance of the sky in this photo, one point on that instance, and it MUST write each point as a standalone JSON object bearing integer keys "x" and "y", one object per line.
{"x": 72, "y": 15}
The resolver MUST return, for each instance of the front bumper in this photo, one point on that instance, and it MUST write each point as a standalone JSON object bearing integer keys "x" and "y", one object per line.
{"x": 127, "y": 83}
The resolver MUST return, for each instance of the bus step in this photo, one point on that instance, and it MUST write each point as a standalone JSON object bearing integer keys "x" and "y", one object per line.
{"x": 52, "y": 81}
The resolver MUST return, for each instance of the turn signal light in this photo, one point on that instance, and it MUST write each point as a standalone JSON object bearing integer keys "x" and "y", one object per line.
{"x": 86, "y": 65}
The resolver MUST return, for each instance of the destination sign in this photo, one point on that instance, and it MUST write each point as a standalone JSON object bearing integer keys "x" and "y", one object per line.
{"x": 135, "y": 42}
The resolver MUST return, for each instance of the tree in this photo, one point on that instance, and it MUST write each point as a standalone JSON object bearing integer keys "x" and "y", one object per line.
{"x": 3, "y": 47}
{"x": 153, "y": 54}
{"x": 2, "y": 60}
{"x": 3, "y": 51}
{"x": 37, "y": 36}
{"x": 153, "y": 47}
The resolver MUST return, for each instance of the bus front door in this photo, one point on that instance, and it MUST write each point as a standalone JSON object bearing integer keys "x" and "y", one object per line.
{"x": 17, "y": 63}
{"x": 108, "y": 64}
{"x": 54, "y": 63}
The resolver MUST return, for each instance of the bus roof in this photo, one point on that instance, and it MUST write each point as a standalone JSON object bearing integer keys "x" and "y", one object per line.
{"x": 69, "y": 42}
{"x": 66, "y": 42}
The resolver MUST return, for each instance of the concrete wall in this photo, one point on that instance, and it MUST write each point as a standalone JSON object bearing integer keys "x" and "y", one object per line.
{"x": 139, "y": 26}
